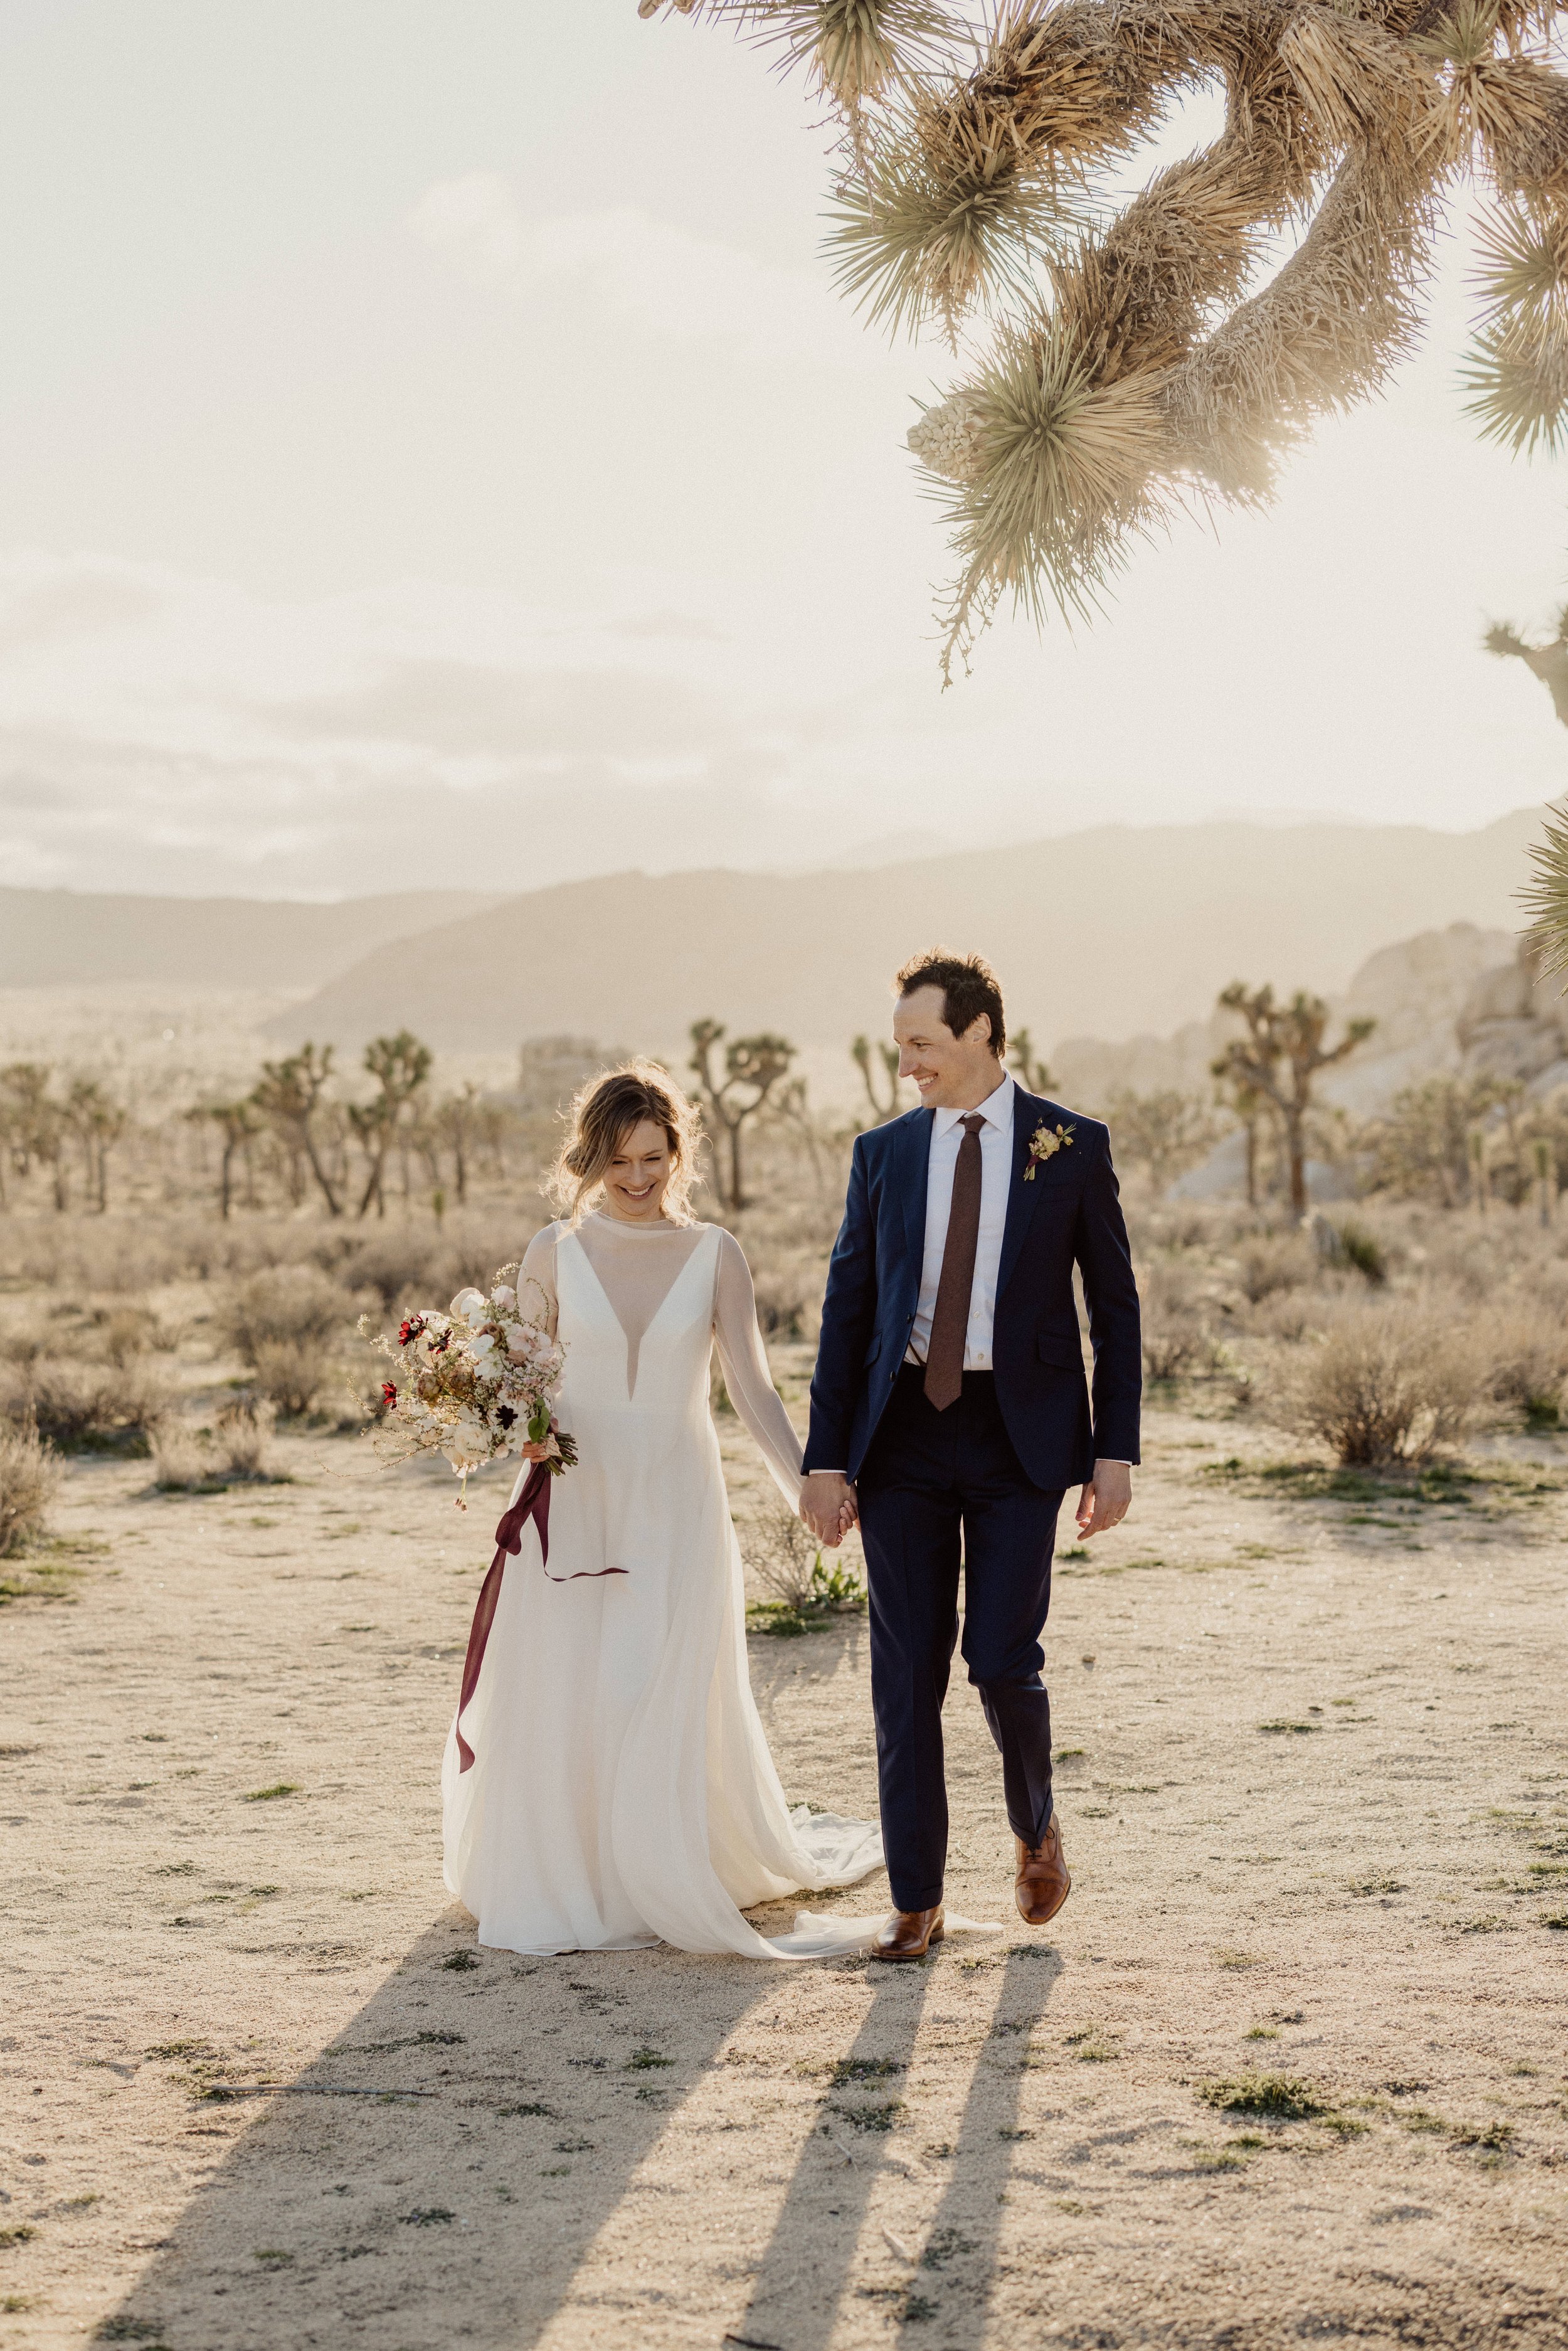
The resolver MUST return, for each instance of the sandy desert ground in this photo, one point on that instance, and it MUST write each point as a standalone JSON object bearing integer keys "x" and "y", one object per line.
{"x": 261, "y": 2092}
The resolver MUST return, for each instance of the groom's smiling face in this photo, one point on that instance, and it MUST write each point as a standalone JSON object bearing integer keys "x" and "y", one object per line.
{"x": 952, "y": 1073}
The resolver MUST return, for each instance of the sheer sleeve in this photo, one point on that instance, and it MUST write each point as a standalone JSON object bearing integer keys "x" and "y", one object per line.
{"x": 536, "y": 1279}
{"x": 745, "y": 1374}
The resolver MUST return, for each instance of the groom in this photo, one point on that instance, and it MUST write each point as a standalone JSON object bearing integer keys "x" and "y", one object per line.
{"x": 949, "y": 1412}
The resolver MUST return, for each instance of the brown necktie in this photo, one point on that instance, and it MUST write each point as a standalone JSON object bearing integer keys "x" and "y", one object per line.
{"x": 950, "y": 1321}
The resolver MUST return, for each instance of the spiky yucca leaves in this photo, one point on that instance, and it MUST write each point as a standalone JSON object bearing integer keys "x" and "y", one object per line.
{"x": 1545, "y": 895}
{"x": 978, "y": 179}
{"x": 1517, "y": 366}
{"x": 856, "y": 52}
{"x": 1324, "y": 332}
{"x": 1056, "y": 482}
{"x": 1355, "y": 82}
{"x": 914, "y": 239}
{"x": 1151, "y": 369}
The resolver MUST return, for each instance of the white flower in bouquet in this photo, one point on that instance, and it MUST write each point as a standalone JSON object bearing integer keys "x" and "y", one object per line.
{"x": 476, "y": 1383}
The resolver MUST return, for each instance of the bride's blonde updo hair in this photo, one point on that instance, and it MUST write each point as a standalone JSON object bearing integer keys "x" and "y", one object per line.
{"x": 604, "y": 1113}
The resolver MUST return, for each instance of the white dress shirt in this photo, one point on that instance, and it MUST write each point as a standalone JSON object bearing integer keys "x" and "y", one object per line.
{"x": 996, "y": 1186}
{"x": 996, "y": 1183}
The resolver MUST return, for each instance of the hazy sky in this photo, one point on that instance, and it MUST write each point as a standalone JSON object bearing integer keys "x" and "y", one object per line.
{"x": 431, "y": 451}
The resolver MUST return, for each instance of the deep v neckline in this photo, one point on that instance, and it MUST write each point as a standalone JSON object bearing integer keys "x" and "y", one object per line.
{"x": 635, "y": 1345}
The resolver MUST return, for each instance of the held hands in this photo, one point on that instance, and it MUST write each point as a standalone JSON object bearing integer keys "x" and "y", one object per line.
{"x": 1106, "y": 1500}
{"x": 828, "y": 1506}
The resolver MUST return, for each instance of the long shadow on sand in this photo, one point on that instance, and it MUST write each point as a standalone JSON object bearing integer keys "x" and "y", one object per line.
{"x": 821, "y": 2228}
{"x": 440, "y": 2173}
{"x": 346, "y": 2208}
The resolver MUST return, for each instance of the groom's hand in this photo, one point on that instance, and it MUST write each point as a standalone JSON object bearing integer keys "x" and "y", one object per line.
{"x": 1106, "y": 1500}
{"x": 825, "y": 1496}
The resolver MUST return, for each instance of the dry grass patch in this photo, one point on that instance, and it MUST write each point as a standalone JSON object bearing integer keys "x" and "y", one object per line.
{"x": 29, "y": 1480}
{"x": 1393, "y": 1382}
{"x": 289, "y": 1323}
{"x": 85, "y": 1406}
{"x": 235, "y": 1450}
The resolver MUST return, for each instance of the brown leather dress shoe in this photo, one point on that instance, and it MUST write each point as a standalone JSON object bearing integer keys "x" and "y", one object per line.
{"x": 907, "y": 1934}
{"x": 1042, "y": 1885}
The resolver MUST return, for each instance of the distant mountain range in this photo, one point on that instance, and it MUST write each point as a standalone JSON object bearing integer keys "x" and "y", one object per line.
{"x": 63, "y": 938}
{"x": 1102, "y": 934}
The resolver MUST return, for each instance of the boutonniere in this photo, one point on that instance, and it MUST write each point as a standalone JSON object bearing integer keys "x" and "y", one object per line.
{"x": 1045, "y": 1143}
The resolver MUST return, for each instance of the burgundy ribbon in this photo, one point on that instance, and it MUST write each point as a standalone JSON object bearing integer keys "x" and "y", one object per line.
{"x": 533, "y": 1502}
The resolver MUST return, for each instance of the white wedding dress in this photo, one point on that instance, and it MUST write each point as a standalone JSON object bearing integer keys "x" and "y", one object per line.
{"x": 622, "y": 1792}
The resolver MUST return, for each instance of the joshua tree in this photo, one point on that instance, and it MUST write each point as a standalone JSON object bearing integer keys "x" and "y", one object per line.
{"x": 400, "y": 1066}
{"x": 1167, "y": 1131}
{"x": 1546, "y": 891}
{"x": 1423, "y": 1144}
{"x": 31, "y": 1122}
{"x": 98, "y": 1123}
{"x": 865, "y": 1056}
{"x": 1130, "y": 371}
{"x": 1251, "y": 1108}
{"x": 237, "y": 1123}
{"x": 288, "y": 1096}
{"x": 1033, "y": 1075}
{"x": 1549, "y": 662}
{"x": 1281, "y": 1056}
{"x": 456, "y": 1122}
{"x": 1545, "y": 895}
{"x": 753, "y": 1066}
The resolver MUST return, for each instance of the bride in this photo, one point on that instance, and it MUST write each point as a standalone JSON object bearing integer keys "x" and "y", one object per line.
{"x": 622, "y": 1790}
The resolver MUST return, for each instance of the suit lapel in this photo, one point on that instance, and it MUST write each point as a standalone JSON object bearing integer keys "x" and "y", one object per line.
{"x": 1028, "y": 1112}
{"x": 914, "y": 1173}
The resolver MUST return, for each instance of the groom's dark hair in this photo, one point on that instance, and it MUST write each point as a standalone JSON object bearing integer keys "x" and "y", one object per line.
{"x": 970, "y": 986}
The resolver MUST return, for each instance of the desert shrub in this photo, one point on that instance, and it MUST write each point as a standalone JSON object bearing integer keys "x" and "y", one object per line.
{"x": 284, "y": 1305}
{"x": 291, "y": 1374}
{"x": 29, "y": 1479}
{"x": 179, "y": 1458}
{"x": 1268, "y": 1263}
{"x": 397, "y": 1262}
{"x": 1288, "y": 1315}
{"x": 781, "y": 1551}
{"x": 289, "y": 1323}
{"x": 787, "y": 1298}
{"x": 426, "y": 1264}
{"x": 1388, "y": 1382}
{"x": 234, "y": 1450}
{"x": 124, "y": 1333}
{"x": 242, "y": 1433}
{"x": 1177, "y": 1335}
{"x": 1363, "y": 1249}
{"x": 1528, "y": 1346}
{"x": 87, "y": 1406}
{"x": 805, "y": 1587}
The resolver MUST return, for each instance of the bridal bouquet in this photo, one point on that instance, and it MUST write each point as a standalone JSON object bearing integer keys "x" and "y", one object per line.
{"x": 475, "y": 1383}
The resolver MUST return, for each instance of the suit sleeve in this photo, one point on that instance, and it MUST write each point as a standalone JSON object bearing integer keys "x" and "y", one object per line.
{"x": 849, "y": 1312}
{"x": 1106, "y": 1261}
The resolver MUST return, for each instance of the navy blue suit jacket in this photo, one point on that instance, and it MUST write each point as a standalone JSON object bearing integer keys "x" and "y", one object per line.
{"x": 1068, "y": 1212}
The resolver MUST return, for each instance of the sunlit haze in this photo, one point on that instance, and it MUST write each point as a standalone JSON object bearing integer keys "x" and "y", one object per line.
{"x": 420, "y": 423}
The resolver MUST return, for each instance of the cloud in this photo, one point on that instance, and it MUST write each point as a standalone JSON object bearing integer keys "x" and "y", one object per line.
{"x": 533, "y": 716}
{"x": 84, "y": 600}
{"x": 408, "y": 735}
{"x": 627, "y": 272}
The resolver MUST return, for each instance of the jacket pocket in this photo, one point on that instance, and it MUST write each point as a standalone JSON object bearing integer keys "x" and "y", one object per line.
{"x": 1066, "y": 1353}
{"x": 874, "y": 1350}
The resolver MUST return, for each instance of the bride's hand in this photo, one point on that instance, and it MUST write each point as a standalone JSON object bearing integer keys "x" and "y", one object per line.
{"x": 539, "y": 1452}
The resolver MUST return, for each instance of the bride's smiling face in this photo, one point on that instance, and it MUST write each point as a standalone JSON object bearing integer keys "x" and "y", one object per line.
{"x": 638, "y": 1175}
